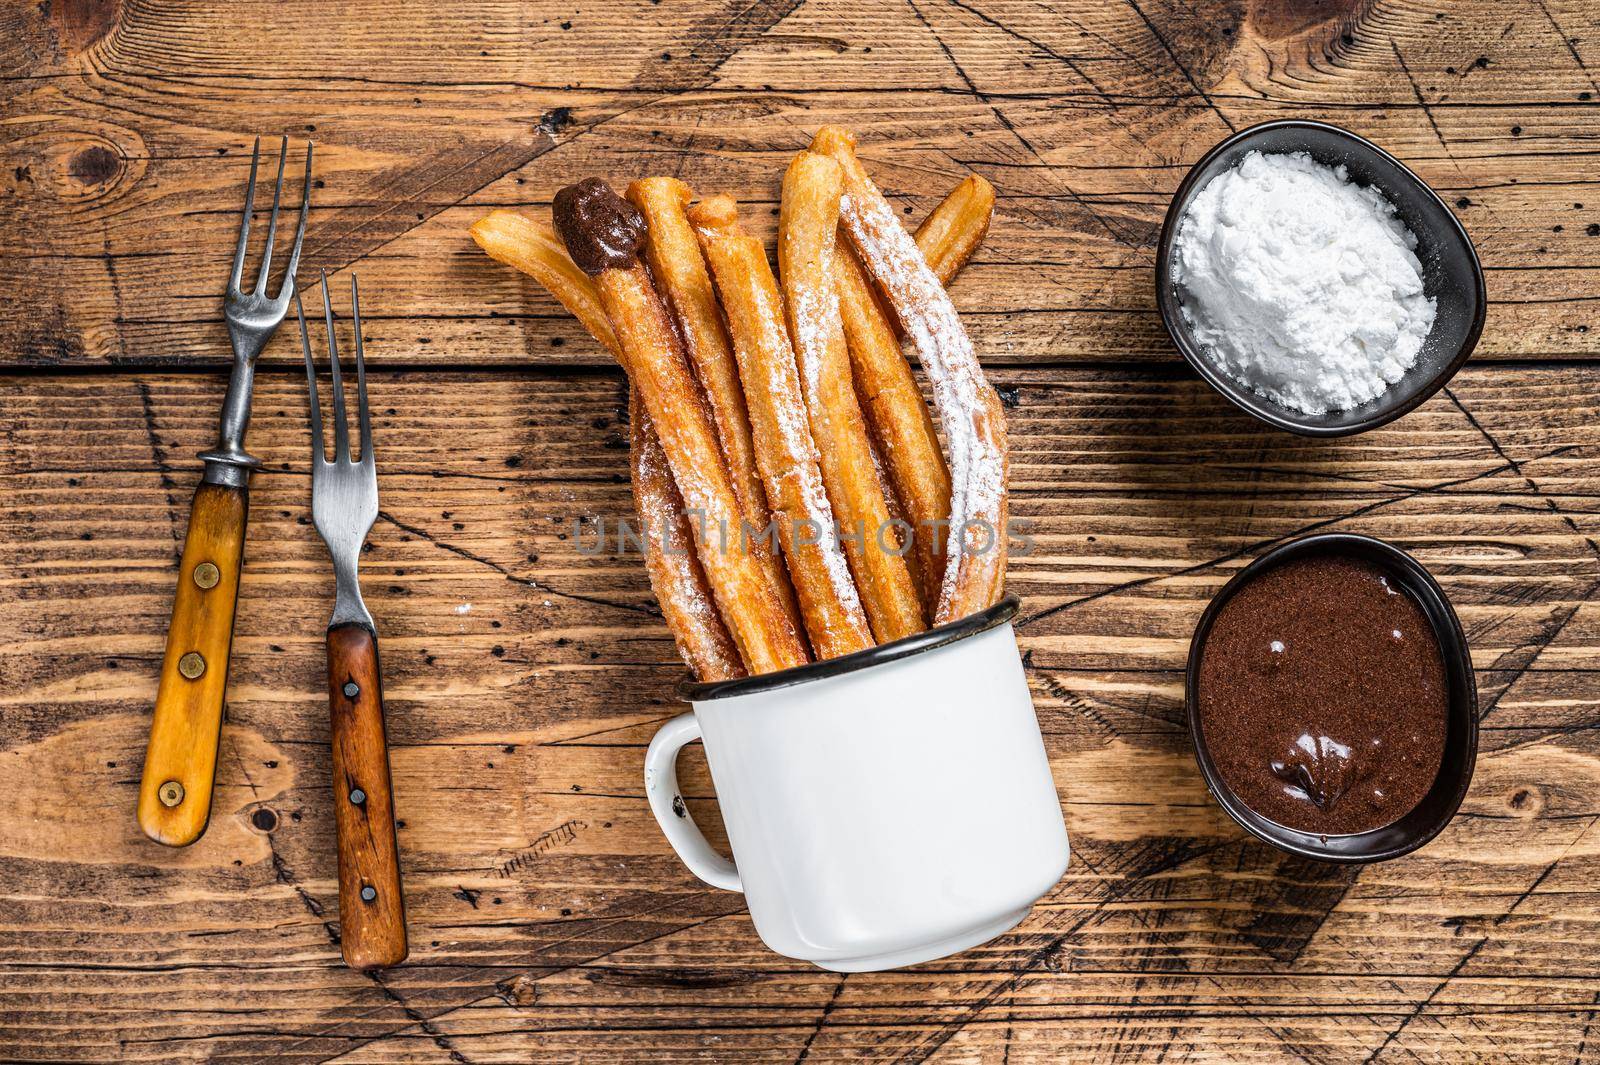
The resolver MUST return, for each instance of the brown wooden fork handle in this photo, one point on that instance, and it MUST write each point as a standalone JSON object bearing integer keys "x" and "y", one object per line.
{"x": 372, "y": 910}
{"x": 180, "y": 762}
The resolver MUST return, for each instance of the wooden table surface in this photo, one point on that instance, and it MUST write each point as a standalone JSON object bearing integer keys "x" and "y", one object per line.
{"x": 549, "y": 921}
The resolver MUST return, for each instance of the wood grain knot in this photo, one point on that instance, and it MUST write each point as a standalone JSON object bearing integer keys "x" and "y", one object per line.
{"x": 81, "y": 24}
{"x": 94, "y": 165}
{"x": 519, "y": 991}
{"x": 92, "y": 168}
{"x": 1525, "y": 802}
{"x": 58, "y": 164}
{"x": 1273, "y": 20}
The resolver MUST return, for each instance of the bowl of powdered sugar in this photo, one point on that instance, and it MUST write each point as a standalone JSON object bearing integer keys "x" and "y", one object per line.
{"x": 1315, "y": 281}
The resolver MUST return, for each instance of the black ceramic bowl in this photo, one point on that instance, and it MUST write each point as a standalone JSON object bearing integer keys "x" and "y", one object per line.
{"x": 1452, "y": 274}
{"x": 1440, "y": 803}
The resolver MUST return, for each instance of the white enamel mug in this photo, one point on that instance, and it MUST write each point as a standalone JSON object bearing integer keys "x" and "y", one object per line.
{"x": 885, "y": 808}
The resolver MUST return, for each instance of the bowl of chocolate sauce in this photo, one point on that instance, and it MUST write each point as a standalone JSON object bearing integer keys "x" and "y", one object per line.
{"x": 1331, "y": 700}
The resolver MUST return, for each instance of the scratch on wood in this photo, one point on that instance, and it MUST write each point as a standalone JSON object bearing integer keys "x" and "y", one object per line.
{"x": 163, "y": 471}
{"x": 1166, "y": 45}
{"x": 1417, "y": 1008}
{"x": 822, "y": 1021}
{"x": 1262, "y": 545}
{"x": 1571, "y": 45}
{"x": 350, "y": 234}
{"x": 1533, "y": 485}
{"x": 1045, "y": 50}
{"x": 1016, "y": 134}
{"x": 1520, "y": 659}
{"x": 693, "y": 61}
{"x": 1302, "y": 896}
{"x": 1137, "y": 869}
{"x": 559, "y": 836}
{"x": 1422, "y": 102}
{"x": 529, "y": 582}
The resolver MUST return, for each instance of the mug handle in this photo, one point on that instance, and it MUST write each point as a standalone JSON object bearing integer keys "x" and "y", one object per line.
{"x": 661, "y": 787}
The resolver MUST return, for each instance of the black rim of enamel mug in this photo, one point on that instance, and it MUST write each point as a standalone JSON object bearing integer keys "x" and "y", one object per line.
{"x": 1241, "y": 396}
{"x": 929, "y": 639}
{"x": 1429, "y": 817}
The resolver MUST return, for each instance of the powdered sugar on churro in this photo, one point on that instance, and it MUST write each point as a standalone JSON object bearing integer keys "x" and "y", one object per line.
{"x": 812, "y": 309}
{"x": 795, "y": 430}
{"x": 675, "y": 573}
{"x": 977, "y": 458}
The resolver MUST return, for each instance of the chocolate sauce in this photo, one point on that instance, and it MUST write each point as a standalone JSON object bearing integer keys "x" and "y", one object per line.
{"x": 1322, "y": 696}
{"x": 601, "y": 230}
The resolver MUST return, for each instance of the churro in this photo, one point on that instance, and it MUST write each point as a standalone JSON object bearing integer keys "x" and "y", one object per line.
{"x": 603, "y": 234}
{"x": 786, "y": 452}
{"x": 675, "y": 572}
{"x": 969, "y": 409}
{"x": 808, "y": 222}
{"x": 533, "y": 247}
{"x": 954, "y": 229}
{"x": 900, "y": 423}
{"x": 897, "y": 418}
{"x": 680, "y": 272}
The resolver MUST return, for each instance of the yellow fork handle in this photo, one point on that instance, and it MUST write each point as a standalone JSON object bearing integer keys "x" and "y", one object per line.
{"x": 180, "y": 763}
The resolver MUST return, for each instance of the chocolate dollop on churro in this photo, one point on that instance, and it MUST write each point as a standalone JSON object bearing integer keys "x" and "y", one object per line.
{"x": 601, "y": 230}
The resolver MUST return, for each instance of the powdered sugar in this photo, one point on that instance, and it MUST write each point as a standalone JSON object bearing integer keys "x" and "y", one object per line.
{"x": 810, "y": 310}
{"x": 675, "y": 572}
{"x": 1300, "y": 284}
{"x": 794, "y": 429}
{"x": 977, "y": 445}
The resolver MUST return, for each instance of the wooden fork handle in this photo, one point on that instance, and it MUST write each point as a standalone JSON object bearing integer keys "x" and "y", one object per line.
{"x": 372, "y": 911}
{"x": 180, "y": 762}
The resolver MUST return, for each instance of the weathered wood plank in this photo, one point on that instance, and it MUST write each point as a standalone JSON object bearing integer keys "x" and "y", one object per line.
{"x": 1133, "y": 480}
{"x": 786, "y": 46}
{"x": 548, "y": 917}
{"x": 124, "y": 185}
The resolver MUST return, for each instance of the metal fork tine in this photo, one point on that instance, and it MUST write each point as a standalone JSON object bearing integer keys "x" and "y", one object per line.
{"x": 361, "y": 377}
{"x": 341, "y": 427}
{"x": 317, "y": 455}
{"x": 244, "y": 223}
{"x": 272, "y": 223}
{"x": 299, "y": 232}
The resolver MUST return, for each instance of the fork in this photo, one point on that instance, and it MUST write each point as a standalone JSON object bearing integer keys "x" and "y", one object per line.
{"x": 344, "y": 502}
{"x": 180, "y": 761}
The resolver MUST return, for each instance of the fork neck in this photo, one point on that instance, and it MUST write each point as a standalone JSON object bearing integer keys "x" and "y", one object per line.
{"x": 348, "y": 606}
{"x": 228, "y": 463}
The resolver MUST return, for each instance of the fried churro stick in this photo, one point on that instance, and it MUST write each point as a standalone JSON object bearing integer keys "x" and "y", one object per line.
{"x": 676, "y": 575}
{"x": 808, "y": 223}
{"x": 897, "y": 418}
{"x": 603, "y": 233}
{"x": 785, "y": 450}
{"x": 954, "y": 229}
{"x": 679, "y": 270}
{"x": 969, "y": 409}
{"x": 680, "y": 273}
{"x": 532, "y": 246}
{"x": 899, "y": 421}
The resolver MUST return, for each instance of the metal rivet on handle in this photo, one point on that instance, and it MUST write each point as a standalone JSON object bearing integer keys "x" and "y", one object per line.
{"x": 368, "y": 893}
{"x": 351, "y": 689}
{"x": 358, "y": 796}
{"x": 171, "y": 793}
{"x": 192, "y": 665}
{"x": 206, "y": 575}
